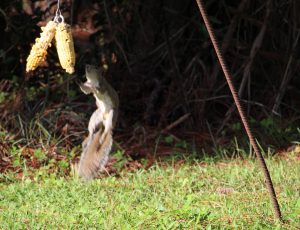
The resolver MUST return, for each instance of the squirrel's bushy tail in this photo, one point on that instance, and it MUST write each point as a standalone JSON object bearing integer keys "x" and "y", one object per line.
{"x": 94, "y": 155}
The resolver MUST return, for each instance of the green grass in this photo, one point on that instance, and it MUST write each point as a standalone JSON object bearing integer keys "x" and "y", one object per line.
{"x": 170, "y": 197}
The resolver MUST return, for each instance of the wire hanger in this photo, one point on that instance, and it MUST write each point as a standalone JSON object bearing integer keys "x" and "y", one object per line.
{"x": 59, "y": 18}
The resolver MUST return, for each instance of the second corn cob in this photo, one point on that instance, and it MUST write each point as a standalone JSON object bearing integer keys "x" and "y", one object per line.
{"x": 39, "y": 49}
{"x": 65, "y": 47}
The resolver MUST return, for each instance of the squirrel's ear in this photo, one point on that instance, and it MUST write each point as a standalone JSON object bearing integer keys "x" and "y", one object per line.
{"x": 88, "y": 67}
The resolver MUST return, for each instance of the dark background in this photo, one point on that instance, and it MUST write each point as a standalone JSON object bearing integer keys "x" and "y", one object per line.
{"x": 163, "y": 66}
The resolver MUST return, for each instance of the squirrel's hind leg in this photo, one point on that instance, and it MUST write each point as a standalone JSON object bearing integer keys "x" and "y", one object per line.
{"x": 108, "y": 123}
{"x": 96, "y": 121}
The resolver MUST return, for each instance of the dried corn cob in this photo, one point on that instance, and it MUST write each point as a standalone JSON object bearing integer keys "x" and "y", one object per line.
{"x": 39, "y": 49}
{"x": 65, "y": 47}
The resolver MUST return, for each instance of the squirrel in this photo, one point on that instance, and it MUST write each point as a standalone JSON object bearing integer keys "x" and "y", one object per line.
{"x": 97, "y": 146}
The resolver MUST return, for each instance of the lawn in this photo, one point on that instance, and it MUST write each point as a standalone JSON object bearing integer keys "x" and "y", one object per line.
{"x": 207, "y": 194}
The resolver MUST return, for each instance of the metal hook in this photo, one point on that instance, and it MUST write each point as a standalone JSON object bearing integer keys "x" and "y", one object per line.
{"x": 58, "y": 15}
{"x": 59, "y": 19}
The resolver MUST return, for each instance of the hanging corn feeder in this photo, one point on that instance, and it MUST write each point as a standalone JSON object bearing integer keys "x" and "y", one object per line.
{"x": 64, "y": 44}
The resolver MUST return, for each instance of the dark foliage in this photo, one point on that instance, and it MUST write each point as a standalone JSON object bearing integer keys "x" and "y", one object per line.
{"x": 161, "y": 62}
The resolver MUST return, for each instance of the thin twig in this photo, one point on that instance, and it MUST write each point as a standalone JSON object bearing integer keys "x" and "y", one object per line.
{"x": 211, "y": 135}
{"x": 175, "y": 123}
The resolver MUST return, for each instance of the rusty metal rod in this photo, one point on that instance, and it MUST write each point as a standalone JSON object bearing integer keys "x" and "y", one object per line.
{"x": 244, "y": 119}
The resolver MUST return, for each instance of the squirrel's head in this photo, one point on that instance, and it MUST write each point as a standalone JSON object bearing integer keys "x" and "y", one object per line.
{"x": 93, "y": 76}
